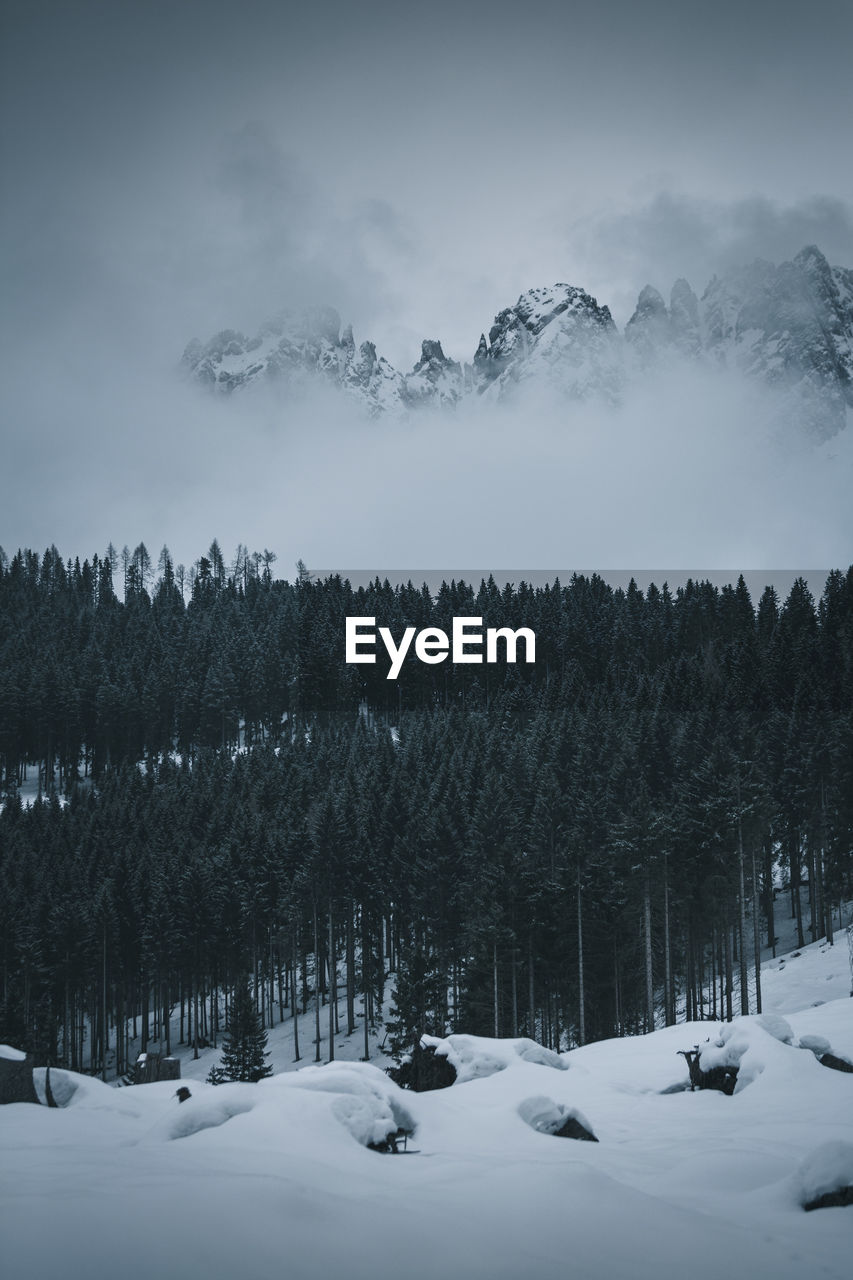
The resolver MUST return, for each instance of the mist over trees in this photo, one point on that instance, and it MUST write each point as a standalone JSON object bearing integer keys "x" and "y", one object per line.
{"x": 568, "y": 850}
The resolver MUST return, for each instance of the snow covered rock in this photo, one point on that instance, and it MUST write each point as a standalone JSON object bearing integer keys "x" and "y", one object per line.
{"x": 52, "y": 1082}
{"x": 475, "y": 1057}
{"x": 16, "y": 1076}
{"x": 748, "y": 1045}
{"x": 817, "y": 1044}
{"x": 423, "y": 1070}
{"x": 367, "y": 1103}
{"x": 546, "y": 1116}
{"x": 826, "y": 1176}
{"x": 835, "y": 1063}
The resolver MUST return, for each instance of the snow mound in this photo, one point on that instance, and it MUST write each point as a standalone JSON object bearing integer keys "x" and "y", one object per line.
{"x": 70, "y": 1088}
{"x": 474, "y": 1057}
{"x": 371, "y": 1118}
{"x": 826, "y": 1171}
{"x": 530, "y": 1051}
{"x": 818, "y": 1044}
{"x": 748, "y": 1045}
{"x": 355, "y": 1078}
{"x": 546, "y": 1116}
{"x": 368, "y": 1104}
{"x": 63, "y": 1085}
{"x": 775, "y": 1026}
{"x": 217, "y": 1105}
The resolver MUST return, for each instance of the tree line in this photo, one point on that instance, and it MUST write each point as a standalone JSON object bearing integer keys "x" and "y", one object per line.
{"x": 584, "y": 847}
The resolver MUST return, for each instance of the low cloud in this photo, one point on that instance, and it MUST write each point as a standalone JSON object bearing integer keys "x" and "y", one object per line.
{"x": 693, "y": 471}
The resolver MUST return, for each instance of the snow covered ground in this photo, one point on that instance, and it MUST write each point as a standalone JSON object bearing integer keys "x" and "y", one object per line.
{"x": 273, "y": 1179}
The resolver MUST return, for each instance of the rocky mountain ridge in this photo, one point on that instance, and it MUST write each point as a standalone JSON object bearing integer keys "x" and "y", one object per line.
{"x": 791, "y": 326}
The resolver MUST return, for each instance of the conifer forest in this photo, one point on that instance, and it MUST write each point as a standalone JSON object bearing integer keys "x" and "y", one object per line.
{"x": 583, "y": 847}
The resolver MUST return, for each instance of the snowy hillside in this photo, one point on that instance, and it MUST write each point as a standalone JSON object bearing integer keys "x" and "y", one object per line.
{"x": 788, "y": 326}
{"x": 274, "y": 1179}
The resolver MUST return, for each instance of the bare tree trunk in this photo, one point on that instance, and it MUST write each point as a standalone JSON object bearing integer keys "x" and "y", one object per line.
{"x": 495, "y": 977}
{"x": 105, "y": 1035}
{"x": 647, "y": 921}
{"x": 513, "y": 956}
{"x": 756, "y": 934}
{"x": 167, "y": 1013}
{"x": 727, "y": 935}
{"x": 365, "y": 978}
{"x": 669, "y": 1011}
{"x": 316, "y": 987}
{"x": 770, "y": 904}
{"x": 826, "y": 898}
{"x": 617, "y": 994}
{"x": 581, "y": 991}
{"x": 143, "y": 1043}
{"x": 195, "y": 1015}
{"x": 557, "y": 1029}
{"x": 333, "y": 994}
{"x": 721, "y": 968}
{"x": 531, "y": 1002}
{"x": 294, "y": 997}
{"x": 272, "y": 981}
{"x": 350, "y": 943}
{"x": 741, "y": 917}
{"x": 798, "y": 906}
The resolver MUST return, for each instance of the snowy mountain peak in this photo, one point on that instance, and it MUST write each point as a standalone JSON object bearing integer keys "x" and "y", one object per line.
{"x": 684, "y": 318}
{"x": 790, "y": 326}
{"x": 649, "y": 330}
{"x": 558, "y": 335}
{"x": 432, "y": 356}
{"x": 649, "y": 304}
{"x": 435, "y": 379}
{"x": 811, "y": 259}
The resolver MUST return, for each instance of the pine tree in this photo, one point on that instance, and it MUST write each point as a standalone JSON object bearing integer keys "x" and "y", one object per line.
{"x": 244, "y": 1052}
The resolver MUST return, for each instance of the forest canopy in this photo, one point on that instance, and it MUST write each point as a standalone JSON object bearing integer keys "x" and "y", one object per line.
{"x": 570, "y": 849}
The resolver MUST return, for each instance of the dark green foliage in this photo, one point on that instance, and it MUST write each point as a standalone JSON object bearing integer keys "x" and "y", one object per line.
{"x": 244, "y": 1055}
{"x": 661, "y": 743}
{"x": 422, "y": 1069}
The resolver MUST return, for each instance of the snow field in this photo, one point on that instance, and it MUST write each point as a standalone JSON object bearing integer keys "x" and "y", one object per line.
{"x": 274, "y": 1179}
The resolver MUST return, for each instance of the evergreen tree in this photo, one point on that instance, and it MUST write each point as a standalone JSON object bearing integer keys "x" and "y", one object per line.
{"x": 244, "y": 1052}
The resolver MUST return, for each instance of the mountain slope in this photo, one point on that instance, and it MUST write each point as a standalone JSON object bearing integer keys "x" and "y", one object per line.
{"x": 790, "y": 326}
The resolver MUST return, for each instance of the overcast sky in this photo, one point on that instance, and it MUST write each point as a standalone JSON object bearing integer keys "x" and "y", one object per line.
{"x": 172, "y": 169}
